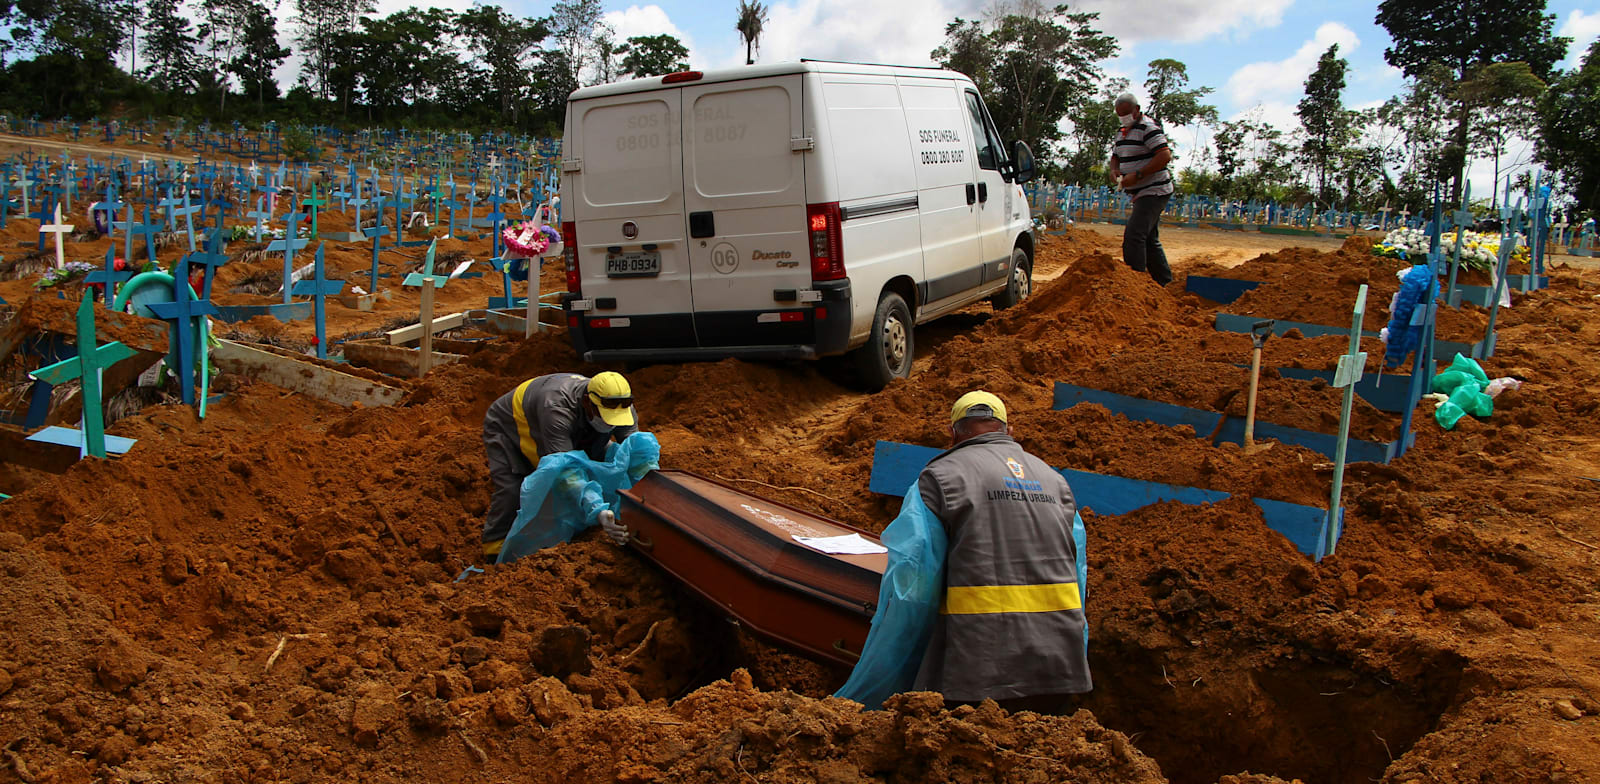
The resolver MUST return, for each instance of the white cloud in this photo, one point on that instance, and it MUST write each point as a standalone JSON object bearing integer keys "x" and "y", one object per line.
{"x": 1279, "y": 78}
{"x": 649, "y": 20}
{"x": 1184, "y": 20}
{"x": 846, "y": 30}
{"x": 1582, "y": 28}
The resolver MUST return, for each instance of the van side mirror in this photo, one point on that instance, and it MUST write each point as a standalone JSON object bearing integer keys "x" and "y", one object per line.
{"x": 1022, "y": 162}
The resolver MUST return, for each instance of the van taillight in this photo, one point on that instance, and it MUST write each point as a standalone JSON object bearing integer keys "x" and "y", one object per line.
{"x": 569, "y": 253}
{"x": 827, "y": 241}
{"x": 682, "y": 76}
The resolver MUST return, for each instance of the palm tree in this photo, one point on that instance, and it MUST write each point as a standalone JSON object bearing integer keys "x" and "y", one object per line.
{"x": 752, "y": 17}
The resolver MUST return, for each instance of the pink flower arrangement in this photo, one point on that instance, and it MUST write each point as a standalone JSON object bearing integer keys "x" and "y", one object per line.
{"x": 527, "y": 239}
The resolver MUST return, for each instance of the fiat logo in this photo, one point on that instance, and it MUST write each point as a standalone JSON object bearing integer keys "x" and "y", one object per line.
{"x": 630, "y": 230}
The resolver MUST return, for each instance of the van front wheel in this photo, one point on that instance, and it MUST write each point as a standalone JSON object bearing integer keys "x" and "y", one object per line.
{"x": 887, "y": 354}
{"x": 1021, "y": 283}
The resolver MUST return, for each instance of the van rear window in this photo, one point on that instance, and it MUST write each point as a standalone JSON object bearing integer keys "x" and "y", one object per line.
{"x": 630, "y": 153}
{"x": 740, "y": 140}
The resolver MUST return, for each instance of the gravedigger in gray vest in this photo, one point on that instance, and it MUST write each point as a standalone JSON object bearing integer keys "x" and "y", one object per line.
{"x": 1011, "y": 625}
{"x": 542, "y": 416}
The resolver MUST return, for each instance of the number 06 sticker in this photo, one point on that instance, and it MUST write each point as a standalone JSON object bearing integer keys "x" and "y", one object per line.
{"x": 724, "y": 258}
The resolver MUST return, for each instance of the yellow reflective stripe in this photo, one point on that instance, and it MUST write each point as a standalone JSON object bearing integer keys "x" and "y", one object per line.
{"x": 981, "y": 599}
{"x": 493, "y": 548}
{"x": 530, "y": 449}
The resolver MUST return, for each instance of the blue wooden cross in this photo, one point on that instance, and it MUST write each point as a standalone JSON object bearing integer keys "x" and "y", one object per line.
{"x": 288, "y": 245}
{"x": 416, "y": 278}
{"x": 211, "y": 258}
{"x": 91, "y": 359}
{"x": 1462, "y": 219}
{"x": 376, "y": 234}
{"x": 43, "y": 215}
{"x": 144, "y": 228}
{"x": 472, "y": 203}
{"x": 110, "y": 276}
{"x": 25, "y": 184}
{"x": 168, "y": 203}
{"x": 261, "y": 215}
{"x": 6, "y": 203}
{"x": 319, "y": 289}
{"x": 358, "y": 202}
{"x": 182, "y": 312}
{"x": 453, "y": 205}
{"x": 495, "y": 217}
{"x": 222, "y": 205}
{"x": 187, "y": 211}
{"x": 110, "y": 207}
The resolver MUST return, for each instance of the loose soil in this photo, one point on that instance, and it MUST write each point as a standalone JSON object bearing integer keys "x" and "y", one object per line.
{"x": 269, "y": 594}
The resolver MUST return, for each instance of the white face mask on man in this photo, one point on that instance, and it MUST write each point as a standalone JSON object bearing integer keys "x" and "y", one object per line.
{"x": 1126, "y": 119}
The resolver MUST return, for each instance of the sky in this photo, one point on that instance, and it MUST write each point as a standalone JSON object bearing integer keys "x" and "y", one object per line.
{"x": 1256, "y": 54}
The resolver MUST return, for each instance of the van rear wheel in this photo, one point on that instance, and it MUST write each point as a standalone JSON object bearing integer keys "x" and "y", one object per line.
{"x": 1021, "y": 284}
{"x": 888, "y": 352}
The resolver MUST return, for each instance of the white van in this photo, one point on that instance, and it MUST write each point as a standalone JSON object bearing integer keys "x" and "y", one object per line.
{"x": 792, "y": 210}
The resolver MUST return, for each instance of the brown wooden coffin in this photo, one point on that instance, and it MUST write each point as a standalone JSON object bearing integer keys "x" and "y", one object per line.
{"x": 736, "y": 551}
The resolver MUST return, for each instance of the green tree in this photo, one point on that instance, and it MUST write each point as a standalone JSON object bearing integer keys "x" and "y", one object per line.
{"x": 222, "y": 29}
{"x": 1041, "y": 64}
{"x": 402, "y": 60}
{"x": 169, "y": 46}
{"x": 502, "y": 44}
{"x": 259, "y": 55}
{"x": 321, "y": 25}
{"x": 1253, "y": 160}
{"x": 752, "y": 20}
{"x": 653, "y": 55}
{"x": 1170, "y": 104}
{"x": 1094, "y": 128}
{"x": 1411, "y": 130}
{"x": 577, "y": 28}
{"x": 72, "y": 43}
{"x": 967, "y": 50}
{"x": 1462, "y": 37}
{"x": 1569, "y": 131}
{"x": 1322, "y": 114}
{"x": 1503, "y": 99}
{"x": 553, "y": 79}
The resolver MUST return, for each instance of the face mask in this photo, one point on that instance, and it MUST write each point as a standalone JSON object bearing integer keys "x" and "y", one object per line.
{"x": 1126, "y": 119}
{"x": 599, "y": 424}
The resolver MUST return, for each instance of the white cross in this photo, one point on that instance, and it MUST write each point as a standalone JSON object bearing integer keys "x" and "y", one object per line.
{"x": 58, "y": 229}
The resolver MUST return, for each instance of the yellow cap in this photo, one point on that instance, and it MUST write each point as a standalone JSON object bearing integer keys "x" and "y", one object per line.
{"x": 610, "y": 393}
{"x": 978, "y": 403}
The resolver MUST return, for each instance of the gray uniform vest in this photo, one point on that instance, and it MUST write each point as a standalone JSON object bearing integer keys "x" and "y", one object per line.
{"x": 545, "y": 415}
{"x": 1012, "y": 622}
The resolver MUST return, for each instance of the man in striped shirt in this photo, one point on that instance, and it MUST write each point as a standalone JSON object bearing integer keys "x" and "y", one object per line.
{"x": 1139, "y": 164}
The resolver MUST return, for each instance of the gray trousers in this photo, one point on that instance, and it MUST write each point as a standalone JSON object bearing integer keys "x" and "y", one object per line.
{"x": 1141, "y": 239}
{"x": 507, "y": 468}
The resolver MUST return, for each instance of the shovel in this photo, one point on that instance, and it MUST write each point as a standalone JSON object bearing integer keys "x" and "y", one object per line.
{"x": 1259, "y": 332}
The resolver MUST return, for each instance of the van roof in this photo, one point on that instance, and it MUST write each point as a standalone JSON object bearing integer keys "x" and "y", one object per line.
{"x": 764, "y": 70}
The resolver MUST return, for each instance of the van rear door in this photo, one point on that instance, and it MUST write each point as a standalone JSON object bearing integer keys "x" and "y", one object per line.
{"x": 744, "y": 198}
{"x": 630, "y": 182}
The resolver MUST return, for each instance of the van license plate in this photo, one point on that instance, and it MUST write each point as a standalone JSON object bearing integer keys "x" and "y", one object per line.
{"x": 636, "y": 264}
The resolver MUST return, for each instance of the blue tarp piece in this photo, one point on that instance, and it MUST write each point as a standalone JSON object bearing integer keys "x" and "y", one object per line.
{"x": 567, "y": 491}
{"x": 908, "y": 601}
